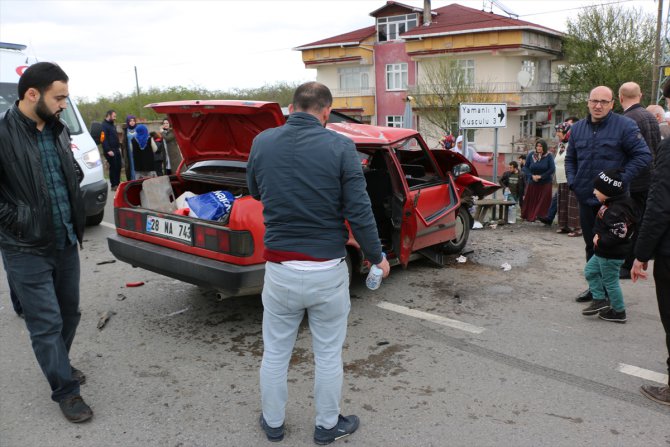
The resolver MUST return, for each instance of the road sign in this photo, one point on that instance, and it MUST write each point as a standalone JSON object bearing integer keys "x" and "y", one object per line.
{"x": 482, "y": 116}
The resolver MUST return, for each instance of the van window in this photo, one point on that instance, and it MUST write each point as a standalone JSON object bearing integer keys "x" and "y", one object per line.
{"x": 9, "y": 95}
{"x": 70, "y": 119}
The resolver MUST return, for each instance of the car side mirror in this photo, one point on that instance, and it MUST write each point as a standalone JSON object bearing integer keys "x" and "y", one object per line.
{"x": 460, "y": 169}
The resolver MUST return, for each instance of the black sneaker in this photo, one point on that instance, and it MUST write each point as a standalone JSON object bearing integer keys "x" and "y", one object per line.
{"x": 584, "y": 297}
{"x": 78, "y": 375}
{"x": 595, "y": 307}
{"x": 344, "y": 427}
{"x": 75, "y": 409}
{"x": 612, "y": 315}
{"x": 273, "y": 434}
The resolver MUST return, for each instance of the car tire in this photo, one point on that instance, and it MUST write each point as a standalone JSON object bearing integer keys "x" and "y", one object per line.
{"x": 463, "y": 224}
{"x": 95, "y": 219}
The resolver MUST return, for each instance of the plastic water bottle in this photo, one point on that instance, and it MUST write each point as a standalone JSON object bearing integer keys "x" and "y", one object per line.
{"x": 511, "y": 217}
{"x": 374, "y": 279}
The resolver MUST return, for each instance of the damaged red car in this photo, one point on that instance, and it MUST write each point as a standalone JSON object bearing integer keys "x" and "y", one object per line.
{"x": 420, "y": 198}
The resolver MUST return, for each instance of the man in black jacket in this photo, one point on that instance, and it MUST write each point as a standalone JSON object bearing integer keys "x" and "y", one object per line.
{"x": 111, "y": 148}
{"x": 654, "y": 241}
{"x": 629, "y": 97}
{"x": 41, "y": 221}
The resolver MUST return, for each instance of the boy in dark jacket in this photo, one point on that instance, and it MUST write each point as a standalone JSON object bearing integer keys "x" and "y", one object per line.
{"x": 613, "y": 229}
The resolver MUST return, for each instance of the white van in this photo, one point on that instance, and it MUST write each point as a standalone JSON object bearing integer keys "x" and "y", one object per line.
{"x": 13, "y": 62}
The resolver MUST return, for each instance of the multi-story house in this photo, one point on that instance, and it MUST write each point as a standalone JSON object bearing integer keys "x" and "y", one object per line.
{"x": 375, "y": 73}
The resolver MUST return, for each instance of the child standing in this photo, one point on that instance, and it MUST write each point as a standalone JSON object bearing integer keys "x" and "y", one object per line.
{"x": 613, "y": 228}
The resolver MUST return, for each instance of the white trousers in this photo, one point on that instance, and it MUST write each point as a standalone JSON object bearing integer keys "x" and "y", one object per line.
{"x": 287, "y": 294}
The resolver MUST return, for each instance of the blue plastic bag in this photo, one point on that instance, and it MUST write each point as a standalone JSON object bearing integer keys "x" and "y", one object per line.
{"x": 213, "y": 205}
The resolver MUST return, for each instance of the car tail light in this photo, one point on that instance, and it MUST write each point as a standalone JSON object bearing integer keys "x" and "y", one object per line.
{"x": 236, "y": 243}
{"x": 129, "y": 220}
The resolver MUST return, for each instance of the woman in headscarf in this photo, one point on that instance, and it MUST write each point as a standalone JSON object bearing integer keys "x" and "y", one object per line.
{"x": 129, "y": 133}
{"x": 539, "y": 170}
{"x": 143, "y": 153}
{"x": 568, "y": 207}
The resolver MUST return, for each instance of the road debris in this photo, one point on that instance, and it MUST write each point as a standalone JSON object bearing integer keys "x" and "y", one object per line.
{"x": 110, "y": 261}
{"x": 461, "y": 259}
{"x": 177, "y": 312}
{"x": 135, "y": 284}
{"x": 506, "y": 267}
{"x": 120, "y": 297}
{"x": 104, "y": 318}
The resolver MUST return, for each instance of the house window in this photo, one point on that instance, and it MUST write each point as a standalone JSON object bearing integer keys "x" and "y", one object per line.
{"x": 394, "y": 121}
{"x": 390, "y": 28}
{"x": 396, "y": 77}
{"x": 353, "y": 78}
{"x": 527, "y": 125}
{"x": 467, "y": 69}
{"x": 529, "y": 66}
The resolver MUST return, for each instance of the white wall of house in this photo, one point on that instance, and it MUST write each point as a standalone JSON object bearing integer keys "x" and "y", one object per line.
{"x": 329, "y": 75}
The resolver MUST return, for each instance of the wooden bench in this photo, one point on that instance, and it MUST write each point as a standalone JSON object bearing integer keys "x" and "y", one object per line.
{"x": 499, "y": 209}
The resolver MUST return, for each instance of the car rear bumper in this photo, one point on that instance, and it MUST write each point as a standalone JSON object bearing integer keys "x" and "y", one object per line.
{"x": 228, "y": 279}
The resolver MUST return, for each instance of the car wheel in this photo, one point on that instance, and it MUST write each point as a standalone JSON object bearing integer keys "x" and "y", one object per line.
{"x": 463, "y": 225}
{"x": 95, "y": 219}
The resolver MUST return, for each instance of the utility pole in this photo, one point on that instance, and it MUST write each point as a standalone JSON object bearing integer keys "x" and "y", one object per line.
{"x": 137, "y": 87}
{"x": 657, "y": 52}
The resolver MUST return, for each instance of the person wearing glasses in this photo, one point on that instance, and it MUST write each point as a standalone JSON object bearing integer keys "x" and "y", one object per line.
{"x": 602, "y": 141}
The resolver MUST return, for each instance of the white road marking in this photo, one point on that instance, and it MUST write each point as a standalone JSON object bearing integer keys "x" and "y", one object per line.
{"x": 643, "y": 373}
{"x": 432, "y": 318}
{"x": 108, "y": 225}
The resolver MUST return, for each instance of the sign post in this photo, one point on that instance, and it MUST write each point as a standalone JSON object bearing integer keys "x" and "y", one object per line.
{"x": 484, "y": 116}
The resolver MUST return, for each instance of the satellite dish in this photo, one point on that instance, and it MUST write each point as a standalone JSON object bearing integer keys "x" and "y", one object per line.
{"x": 523, "y": 78}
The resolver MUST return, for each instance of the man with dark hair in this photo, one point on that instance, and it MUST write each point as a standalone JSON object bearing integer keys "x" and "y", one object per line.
{"x": 602, "y": 141}
{"x": 305, "y": 251}
{"x": 111, "y": 148}
{"x": 630, "y": 96}
{"x": 654, "y": 241}
{"x": 41, "y": 221}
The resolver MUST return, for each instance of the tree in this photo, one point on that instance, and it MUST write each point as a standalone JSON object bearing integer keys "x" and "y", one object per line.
{"x": 444, "y": 86}
{"x": 281, "y": 92}
{"x": 607, "y": 45}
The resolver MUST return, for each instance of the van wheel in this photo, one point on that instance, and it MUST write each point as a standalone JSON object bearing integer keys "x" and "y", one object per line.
{"x": 95, "y": 219}
{"x": 463, "y": 224}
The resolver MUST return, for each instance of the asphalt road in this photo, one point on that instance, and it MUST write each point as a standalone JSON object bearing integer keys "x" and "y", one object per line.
{"x": 467, "y": 355}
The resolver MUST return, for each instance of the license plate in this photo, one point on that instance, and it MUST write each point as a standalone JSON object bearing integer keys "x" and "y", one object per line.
{"x": 169, "y": 228}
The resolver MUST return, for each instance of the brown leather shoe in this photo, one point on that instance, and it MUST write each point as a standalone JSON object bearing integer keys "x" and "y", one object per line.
{"x": 660, "y": 394}
{"x": 75, "y": 409}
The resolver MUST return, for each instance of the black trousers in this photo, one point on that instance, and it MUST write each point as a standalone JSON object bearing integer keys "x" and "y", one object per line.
{"x": 662, "y": 280}
{"x": 587, "y": 218}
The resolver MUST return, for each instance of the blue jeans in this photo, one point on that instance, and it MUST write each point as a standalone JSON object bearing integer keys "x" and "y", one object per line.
{"x": 603, "y": 275}
{"x": 48, "y": 289}
{"x": 287, "y": 294}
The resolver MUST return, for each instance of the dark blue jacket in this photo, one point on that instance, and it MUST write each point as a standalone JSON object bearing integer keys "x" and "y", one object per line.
{"x": 310, "y": 180}
{"x": 615, "y": 142}
{"x": 545, "y": 167}
{"x": 111, "y": 142}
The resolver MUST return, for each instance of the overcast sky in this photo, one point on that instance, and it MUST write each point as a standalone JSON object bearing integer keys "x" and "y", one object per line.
{"x": 215, "y": 44}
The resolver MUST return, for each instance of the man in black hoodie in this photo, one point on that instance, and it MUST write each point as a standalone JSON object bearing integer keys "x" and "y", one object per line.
{"x": 629, "y": 97}
{"x": 654, "y": 241}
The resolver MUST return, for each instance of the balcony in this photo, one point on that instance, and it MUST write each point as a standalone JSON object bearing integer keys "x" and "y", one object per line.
{"x": 357, "y": 92}
{"x": 539, "y": 95}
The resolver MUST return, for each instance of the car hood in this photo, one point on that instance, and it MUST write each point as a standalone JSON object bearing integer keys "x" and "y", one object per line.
{"x": 218, "y": 129}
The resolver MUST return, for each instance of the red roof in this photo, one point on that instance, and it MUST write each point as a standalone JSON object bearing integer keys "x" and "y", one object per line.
{"x": 450, "y": 19}
{"x": 350, "y": 38}
{"x": 458, "y": 19}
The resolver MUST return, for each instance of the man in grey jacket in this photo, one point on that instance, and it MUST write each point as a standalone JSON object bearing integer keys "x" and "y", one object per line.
{"x": 310, "y": 181}
{"x": 41, "y": 222}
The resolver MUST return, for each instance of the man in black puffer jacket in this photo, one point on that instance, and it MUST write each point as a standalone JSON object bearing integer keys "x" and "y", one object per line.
{"x": 629, "y": 97}
{"x": 111, "y": 149}
{"x": 654, "y": 241}
{"x": 41, "y": 221}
